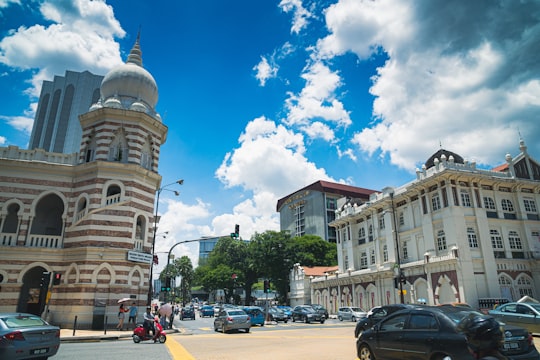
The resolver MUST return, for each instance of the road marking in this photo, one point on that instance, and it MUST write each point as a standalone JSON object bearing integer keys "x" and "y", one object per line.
{"x": 177, "y": 351}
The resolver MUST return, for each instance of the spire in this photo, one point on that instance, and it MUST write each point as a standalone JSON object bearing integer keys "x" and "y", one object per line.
{"x": 135, "y": 55}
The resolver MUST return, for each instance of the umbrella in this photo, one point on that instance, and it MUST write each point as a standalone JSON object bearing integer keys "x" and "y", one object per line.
{"x": 124, "y": 300}
{"x": 165, "y": 309}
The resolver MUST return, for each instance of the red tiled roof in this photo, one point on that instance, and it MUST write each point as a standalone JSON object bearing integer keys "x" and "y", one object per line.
{"x": 501, "y": 168}
{"x": 319, "y": 270}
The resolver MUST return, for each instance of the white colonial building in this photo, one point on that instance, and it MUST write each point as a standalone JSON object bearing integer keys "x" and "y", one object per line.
{"x": 455, "y": 234}
{"x": 87, "y": 216}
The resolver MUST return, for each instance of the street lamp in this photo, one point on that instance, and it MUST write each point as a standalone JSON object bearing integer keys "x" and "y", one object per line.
{"x": 158, "y": 191}
{"x": 398, "y": 258}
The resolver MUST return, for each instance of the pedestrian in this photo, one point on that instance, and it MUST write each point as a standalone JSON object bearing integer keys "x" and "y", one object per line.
{"x": 133, "y": 311}
{"x": 484, "y": 336}
{"x": 171, "y": 318}
{"x": 121, "y": 316}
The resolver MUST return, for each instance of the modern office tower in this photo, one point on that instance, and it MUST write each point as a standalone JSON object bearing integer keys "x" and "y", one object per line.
{"x": 56, "y": 125}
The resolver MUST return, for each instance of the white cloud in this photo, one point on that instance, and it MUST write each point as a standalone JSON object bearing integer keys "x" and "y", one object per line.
{"x": 21, "y": 123}
{"x": 2, "y": 140}
{"x": 300, "y": 14}
{"x": 317, "y": 100}
{"x": 453, "y": 75}
{"x": 6, "y": 3}
{"x": 81, "y": 37}
{"x": 265, "y": 71}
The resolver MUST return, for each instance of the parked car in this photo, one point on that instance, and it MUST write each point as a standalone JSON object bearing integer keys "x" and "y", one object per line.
{"x": 375, "y": 315}
{"x": 27, "y": 336}
{"x": 524, "y": 314}
{"x": 430, "y": 332}
{"x": 276, "y": 314}
{"x": 187, "y": 312}
{"x": 321, "y": 310}
{"x": 286, "y": 309}
{"x": 232, "y": 319}
{"x": 256, "y": 315}
{"x": 207, "y": 310}
{"x": 306, "y": 314}
{"x": 351, "y": 313}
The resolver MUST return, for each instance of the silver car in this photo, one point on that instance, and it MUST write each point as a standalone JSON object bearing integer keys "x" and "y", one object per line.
{"x": 523, "y": 314}
{"x": 27, "y": 336}
{"x": 351, "y": 313}
{"x": 232, "y": 319}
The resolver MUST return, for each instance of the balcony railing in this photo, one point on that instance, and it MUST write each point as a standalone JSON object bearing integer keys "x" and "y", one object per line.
{"x": 8, "y": 239}
{"x": 45, "y": 241}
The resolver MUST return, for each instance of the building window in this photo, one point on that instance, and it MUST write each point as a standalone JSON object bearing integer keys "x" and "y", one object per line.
{"x": 405, "y": 251}
{"x": 363, "y": 260}
{"x": 372, "y": 256}
{"x": 465, "y": 198}
{"x": 530, "y": 205}
{"x": 346, "y": 262}
{"x": 361, "y": 236}
{"x": 331, "y": 204}
{"x": 514, "y": 241}
{"x": 401, "y": 219}
{"x": 435, "y": 202}
{"x": 524, "y": 287}
{"x": 385, "y": 253}
{"x": 496, "y": 239}
{"x": 473, "y": 240}
{"x": 441, "y": 240}
{"x": 370, "y": 233}
{"x": 299, "y": 220}
{"x": 507, "y": 205}
{"x": 489, "y": 203}
{"x": 381, "y": 223}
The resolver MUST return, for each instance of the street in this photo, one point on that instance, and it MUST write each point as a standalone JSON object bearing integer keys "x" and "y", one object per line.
{"x": 199, "y": 341}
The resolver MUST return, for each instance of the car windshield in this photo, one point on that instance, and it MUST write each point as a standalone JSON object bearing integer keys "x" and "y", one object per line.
{"x": 236, "y": 312}
{"x": 23, "y": 321}
{"x": 355, "y": 309}
{"x": 308, "y": 309}
{"x": 457, "y": 315}
{"x": 535, "y": 306}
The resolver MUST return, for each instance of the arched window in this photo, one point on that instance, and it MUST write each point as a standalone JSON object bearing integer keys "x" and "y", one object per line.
{"x": 361, "y": 236}
{"x": 441, "y": 240}
{"x": 507, "y": 205}
{"x": 385, "y": 253}
{"x": 118, "y": 150}
{"x": 81, "y": 209}
{"x": 140, "y": 233}
{"x": 114, "y": 194}
{"x": 524, "y": 286}
{"x": 11, "y": 222}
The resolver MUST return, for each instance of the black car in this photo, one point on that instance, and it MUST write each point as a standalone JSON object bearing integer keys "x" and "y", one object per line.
{"x": 275, "y": 314}
{"x": 321, "y": 310}
{"x": 377, "y": 314}
{"x": 306, "y": 314}
{"x": 187, "y": 312}
{"x": 429, "y": 332}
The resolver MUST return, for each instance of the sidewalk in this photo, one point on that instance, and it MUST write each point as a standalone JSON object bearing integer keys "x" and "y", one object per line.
{"x": 66, "y": 335}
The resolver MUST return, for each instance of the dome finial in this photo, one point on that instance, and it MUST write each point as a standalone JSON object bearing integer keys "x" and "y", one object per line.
{"x": 135, "y": 55}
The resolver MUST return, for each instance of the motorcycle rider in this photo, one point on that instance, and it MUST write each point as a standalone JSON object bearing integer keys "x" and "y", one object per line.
{"x": 149, "y": 321}
{"x": 484, "y": 337}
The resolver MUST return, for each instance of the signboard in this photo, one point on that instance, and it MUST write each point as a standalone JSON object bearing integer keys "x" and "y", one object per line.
{"x": 139, "y": 257}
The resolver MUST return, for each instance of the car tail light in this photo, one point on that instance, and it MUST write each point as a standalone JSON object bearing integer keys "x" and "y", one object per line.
{"x": 530, "y": 339}
{"x": 230, "y": 319}
{"x": 57, "y": 334}
{"x": 16, "y": 335}
{"x": 249, "y": 318}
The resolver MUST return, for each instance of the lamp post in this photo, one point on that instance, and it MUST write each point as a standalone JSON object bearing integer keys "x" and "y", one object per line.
{"x": 398, "y": 258}
{"x": 158, "y": 191}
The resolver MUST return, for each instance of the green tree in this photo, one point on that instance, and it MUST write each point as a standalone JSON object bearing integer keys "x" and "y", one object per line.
{"x": 185, "y": 270}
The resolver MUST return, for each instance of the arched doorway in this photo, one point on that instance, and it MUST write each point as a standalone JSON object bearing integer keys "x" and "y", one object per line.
{"x": 30, "y": 300}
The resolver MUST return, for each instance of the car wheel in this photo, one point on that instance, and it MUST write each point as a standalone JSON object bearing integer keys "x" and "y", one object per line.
{"x": 223, "y": 330}
{"x": 293, "y": 319}
{"x": 322, "y": 321}
{"x": 365, "y": 353}
{"x": 353, "y": 319}
{"x": 247, "y": 330}
{"x": 306, "y": 321}
{"x": 442, "y": 357}
{"x": 285, "y": 321}
{"x": 340, "y": 318}
{"x": 136, "y": 339}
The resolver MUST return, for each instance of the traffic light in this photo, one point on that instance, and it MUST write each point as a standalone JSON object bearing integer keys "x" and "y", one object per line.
{"x": 57, "y": 278}
{"x": 167, "y": 284}
{"x": 156, "y": 260}
{"x": 396, "y": 283}
{"x": 266, "y": 286}
{"x": 45, "y": 280}
{"x": 237, "y": 230}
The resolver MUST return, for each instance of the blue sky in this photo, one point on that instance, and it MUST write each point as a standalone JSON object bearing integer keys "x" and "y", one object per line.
{"x": 264, "y": 97}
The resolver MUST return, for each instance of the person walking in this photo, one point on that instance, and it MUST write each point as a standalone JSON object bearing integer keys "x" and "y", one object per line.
{"x": 133, "y": 311}
{"x": 121, "y": 316}
{"x": 484, "y": 336}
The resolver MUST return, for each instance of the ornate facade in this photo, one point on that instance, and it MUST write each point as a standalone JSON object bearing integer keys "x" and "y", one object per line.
{"x": 454, "y": 234}
{"x": 87, "y": 216}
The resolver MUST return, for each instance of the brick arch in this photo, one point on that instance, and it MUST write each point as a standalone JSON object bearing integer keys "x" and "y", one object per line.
{"x": 72, "y": 274}
{"x": 104, "y": 274}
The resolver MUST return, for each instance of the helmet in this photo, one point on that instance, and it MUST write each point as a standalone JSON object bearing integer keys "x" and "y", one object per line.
{"x": 482, "y": 332}
{"x": 148, "y": 308}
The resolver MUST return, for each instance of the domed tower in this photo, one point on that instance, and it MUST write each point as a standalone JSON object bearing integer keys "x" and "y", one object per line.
{"x": 123, "y": 126}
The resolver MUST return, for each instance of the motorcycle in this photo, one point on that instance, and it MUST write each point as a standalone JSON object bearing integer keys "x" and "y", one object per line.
{"x": 140, "y": 333}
